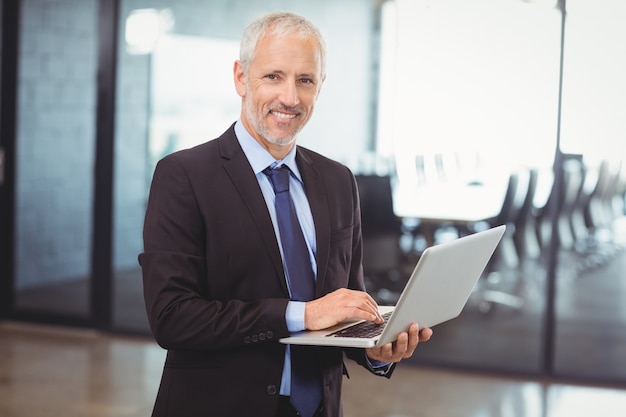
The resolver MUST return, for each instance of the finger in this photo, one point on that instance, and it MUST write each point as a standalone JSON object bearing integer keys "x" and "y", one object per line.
{"x": 425, "y": 334}
{"x": 401, "y": 344}
{"x": 366, "y": 315}
{"x": 387, "y": 351}
{"x": 414, "y": 337}
{"x": 363, "y": 302}
{"x": 376, "y": 353}
{"x": 375, "y": 310}
{"x": 367, "y": 301}
{"x": 410, "y": 340}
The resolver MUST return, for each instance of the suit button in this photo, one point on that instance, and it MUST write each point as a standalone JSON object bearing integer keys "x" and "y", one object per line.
{"x": 261, "y": 336}
{"x": 255, "y": 338}
{"x": 271, "y": 389}
{"x": 269, "y": 334}
{"x": 246, "y": 339}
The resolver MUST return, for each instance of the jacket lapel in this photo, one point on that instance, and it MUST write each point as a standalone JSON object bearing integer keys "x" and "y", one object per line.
{"x": 315, "y": 191}
{"x": 240, "y": 172}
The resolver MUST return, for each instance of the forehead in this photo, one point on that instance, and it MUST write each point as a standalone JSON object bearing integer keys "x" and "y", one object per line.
{"x": 288, "y": 53}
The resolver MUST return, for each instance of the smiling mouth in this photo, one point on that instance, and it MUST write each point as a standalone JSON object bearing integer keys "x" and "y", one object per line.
{"x": 281, "y": 115}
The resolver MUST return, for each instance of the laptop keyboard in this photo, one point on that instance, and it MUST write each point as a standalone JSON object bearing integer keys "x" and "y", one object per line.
{"x": 364, "y": 329}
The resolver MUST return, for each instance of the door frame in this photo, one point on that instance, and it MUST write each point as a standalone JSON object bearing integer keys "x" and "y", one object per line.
{"x": 101, "y": 281}
{"x": 8, "y": 117}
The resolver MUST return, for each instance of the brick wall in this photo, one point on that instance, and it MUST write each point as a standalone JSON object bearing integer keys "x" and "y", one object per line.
{"x": 55, "y": 140}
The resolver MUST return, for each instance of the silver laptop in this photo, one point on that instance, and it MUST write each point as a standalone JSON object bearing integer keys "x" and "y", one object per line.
{"x": 437, "y": 291}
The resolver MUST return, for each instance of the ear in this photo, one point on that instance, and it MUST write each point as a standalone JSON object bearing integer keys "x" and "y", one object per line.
{"x": 240, "y": 78}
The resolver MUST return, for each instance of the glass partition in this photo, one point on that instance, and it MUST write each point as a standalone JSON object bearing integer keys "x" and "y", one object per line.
{"x": 469, "y": 111}
{"x": 590, "y": 340}
{"x": 55, "y": 157}
{"x": 469, "y": 100}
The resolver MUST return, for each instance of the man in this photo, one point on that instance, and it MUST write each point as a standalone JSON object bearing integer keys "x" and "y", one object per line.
{"x": 216, "y": 283}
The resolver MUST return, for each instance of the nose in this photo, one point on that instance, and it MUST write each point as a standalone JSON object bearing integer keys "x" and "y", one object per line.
{"x": 289, "y": 93}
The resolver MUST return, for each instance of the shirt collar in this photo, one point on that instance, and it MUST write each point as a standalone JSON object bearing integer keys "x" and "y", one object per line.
{"x": 258, "y": 157}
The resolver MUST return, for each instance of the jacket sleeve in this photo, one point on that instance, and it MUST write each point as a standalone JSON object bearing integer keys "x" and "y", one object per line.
{"x": 182, "y": 311}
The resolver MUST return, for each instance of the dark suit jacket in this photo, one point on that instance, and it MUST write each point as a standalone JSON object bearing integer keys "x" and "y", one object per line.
{"x": 214, "y": 283}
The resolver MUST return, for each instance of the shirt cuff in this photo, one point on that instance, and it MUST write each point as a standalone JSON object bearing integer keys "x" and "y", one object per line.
{"x": 378, "y": 367}
{"x": 294, "y": 316}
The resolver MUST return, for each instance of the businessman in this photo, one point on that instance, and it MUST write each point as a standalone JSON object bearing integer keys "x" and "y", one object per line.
{"x": 249, "y": 237}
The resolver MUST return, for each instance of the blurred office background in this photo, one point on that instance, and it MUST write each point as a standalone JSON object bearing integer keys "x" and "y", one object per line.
{"x": 455, "y": 115}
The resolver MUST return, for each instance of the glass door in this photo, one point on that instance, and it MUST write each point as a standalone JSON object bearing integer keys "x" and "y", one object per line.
{"x": 55, "y": 148}
{"x": 591, "y": 284}
{"x": 6, "y": 199}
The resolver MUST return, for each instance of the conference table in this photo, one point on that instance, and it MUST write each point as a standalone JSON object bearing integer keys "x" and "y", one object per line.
{"x": 457, "y": 203}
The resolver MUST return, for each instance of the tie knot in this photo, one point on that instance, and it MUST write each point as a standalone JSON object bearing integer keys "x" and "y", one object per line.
{"x": 279, "y": 178}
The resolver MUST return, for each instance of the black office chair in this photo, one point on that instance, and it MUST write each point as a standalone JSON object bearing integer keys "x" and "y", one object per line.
{"x": 511, "y": 204}
{"x": 491, "y": 289}
{"x": 580, "y": 229}
{"x": 573, "y": 178}
{"x": 600, "y": 215}
{"x": 383, "y": 257}
{"x": 524, "y": 237}
{"x": 602, "y": 210}
{"x": 542, "y": 220}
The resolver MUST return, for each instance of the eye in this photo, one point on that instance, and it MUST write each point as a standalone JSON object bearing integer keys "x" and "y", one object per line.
{"x": 307, "y": 81}
{"x": 271, "y": 76}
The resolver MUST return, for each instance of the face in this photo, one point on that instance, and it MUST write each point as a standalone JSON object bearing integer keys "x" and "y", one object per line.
{"x": 279, "y": 91}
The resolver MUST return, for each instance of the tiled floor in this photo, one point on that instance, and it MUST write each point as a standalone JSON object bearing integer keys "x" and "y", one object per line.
{"x": 48, "y": 372}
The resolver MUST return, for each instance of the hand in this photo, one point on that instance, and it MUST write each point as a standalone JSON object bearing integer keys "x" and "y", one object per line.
{"x": 340, "y": 305}
{"x": 403, "y": 347}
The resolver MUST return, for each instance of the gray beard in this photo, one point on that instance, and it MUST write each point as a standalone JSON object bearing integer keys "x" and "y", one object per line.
{"x": 262, "y": 129}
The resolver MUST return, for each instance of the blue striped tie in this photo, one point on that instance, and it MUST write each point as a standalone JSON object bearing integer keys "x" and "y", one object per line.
{"x": 306, "y": 389}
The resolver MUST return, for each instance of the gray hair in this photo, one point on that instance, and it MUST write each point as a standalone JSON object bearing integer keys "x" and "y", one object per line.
{"x": 279, "y": 24}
